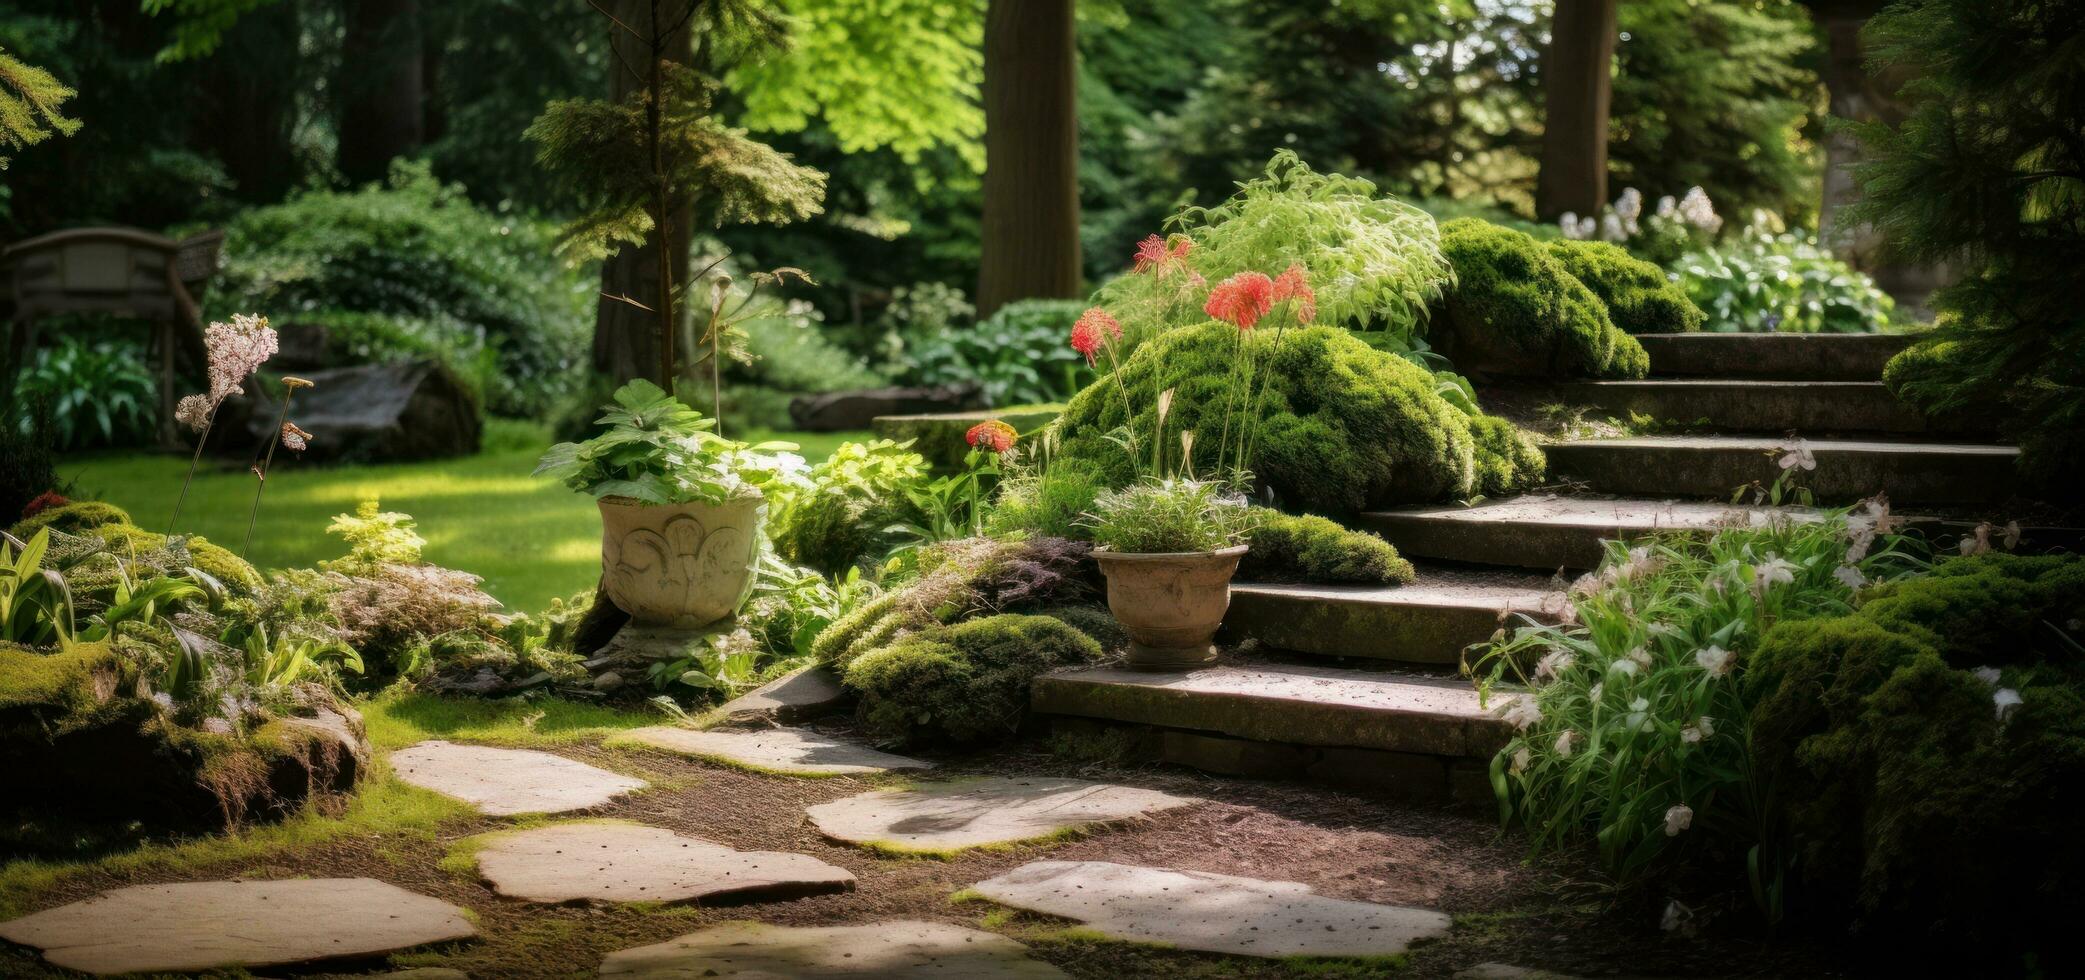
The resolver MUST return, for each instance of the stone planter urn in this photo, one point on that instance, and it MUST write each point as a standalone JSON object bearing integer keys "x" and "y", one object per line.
{"x": 1171, "y": 604}
{"x": 680, "y": 565}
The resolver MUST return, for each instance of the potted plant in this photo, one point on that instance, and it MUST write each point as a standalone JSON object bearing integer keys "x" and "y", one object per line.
{"x": 682, "y": 508}
{"x": 1169, "y": 548}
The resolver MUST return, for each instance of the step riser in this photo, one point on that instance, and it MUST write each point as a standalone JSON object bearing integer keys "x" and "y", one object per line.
{"x": 1534, "y": 546}
{"x": 1780, "y": 357}
{"x": 1841, "y": 477}
{"x": 1412, "y": 776}
{"x": 1812, "y": 409}
{"x": 1432, "y": 636}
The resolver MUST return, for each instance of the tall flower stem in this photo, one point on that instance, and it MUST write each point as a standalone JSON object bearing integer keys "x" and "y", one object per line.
{"x": 193, "y": 462}
{"x": 274, "y": 437}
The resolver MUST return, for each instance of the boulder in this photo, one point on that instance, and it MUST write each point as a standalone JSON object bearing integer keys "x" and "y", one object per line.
{"x": 846, "y": 411}
{"x": 371, "y": 413}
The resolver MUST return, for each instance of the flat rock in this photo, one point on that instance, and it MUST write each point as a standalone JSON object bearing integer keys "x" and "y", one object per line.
{"x": 213, "y": 924}
{"x": 973, "y": 813}
{"x": 615, "y": 862}
{"x": 505, "y": 782}
{"x": 784, "y": 750}
{"x": 803, "y": 694}
{"x": 895, "y": 950}
{"x": 1507, "y": 971}
{"x": 1212, "y": 912}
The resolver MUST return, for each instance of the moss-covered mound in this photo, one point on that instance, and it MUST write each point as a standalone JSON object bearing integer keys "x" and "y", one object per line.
{"x": 141, "y": 551}
{"x": 1945, "y": 718}
{"x": 75, "y": 742}
{"x": 1638, "y": 296}
{"x": 965, "y": 683}
{"x": 1344, "y": 426}
{"x": 960, "y": 580}
{"x": 1293, "y": 548}
{"x": 1516, "y": 311}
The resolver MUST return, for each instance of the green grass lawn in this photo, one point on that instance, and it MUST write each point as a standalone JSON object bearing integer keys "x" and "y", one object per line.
{"x": 530, "y": 539}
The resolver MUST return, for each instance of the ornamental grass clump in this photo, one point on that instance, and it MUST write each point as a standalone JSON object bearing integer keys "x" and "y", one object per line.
{"x": 1632, "y": 727}
{"x": 1168, "y": 517}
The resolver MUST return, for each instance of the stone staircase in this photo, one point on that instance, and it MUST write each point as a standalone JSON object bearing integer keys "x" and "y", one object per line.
{"x": 1358, "y": 685}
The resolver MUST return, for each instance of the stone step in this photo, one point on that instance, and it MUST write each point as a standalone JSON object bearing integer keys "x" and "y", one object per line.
{"x": 1847, "y": 470}
{"x": 1748, "y": 405}
{"x": 1428, "y": 621}
{"x": 1425, "y": 737}
{"x": 1784, "y": 356}
{"x": 1546, "y": 532}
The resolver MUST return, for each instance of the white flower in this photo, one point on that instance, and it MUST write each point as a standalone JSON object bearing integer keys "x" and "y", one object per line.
{"x": 1553, "y": 663}
{"x": 1690, "y": 734}
{"x": 1586, "y": 226}
{"x": 1639, "y": 717}
{"x": 2011, "y": 535}
{"x": 2006, "y": 701}
{"x": 1706, "y": 724}
{"x": 1796, "y": 454}
{"x": 1988, "y": 675}
{"x": 1775, "y": 571}
{"x": 1521, "y": 758}
{"x": 1594, "y": 694}
{"x": 1640, "y": 657}
{"x": 1624, "y": 667}
{"x": 1521, "y": 712}
{"x": 1611, "y": 230}
{"x": 1668, "y": 206}
{"x": 1679, "y": 818}
{"x": 1677, "y": 918}
{"x": 1850, "y": 576}
{"x": 194, "y": 412}
{"x": 1714, "y": 659}
{"x": 1629, "y": 205}
{"x": 1697, "y": 211}
{"x": 1563, "y": 746}
{"x": 1977, "y": 542}
{"x": 1569, "y": 223}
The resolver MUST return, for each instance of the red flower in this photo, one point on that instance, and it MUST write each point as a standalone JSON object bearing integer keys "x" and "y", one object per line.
{"x": 1178, "y": 252}
{"x": 1290, "y": 286}
{"x": 1241, "y": 300}
{"x": 994, "y": 435}
{"x": 1095, "y": 328}
{"x": 1152, "y": 255}
{"x": 44, "y": 501}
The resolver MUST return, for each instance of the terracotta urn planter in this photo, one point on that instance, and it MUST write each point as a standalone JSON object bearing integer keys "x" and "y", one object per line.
{"x": 680, "y": 565}
{"x": 1171, "y": 604}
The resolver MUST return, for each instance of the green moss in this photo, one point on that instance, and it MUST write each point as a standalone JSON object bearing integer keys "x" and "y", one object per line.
{"x": 966, "y": 683}
{"x": 44, "y": 695}
{"x": 1638, "y": 296}
{"x": 72, "y": 518}
{"x": 1345, "y": 427}
{"x": 399, "y": 718}
{"x": 1516, "y": 311}
{"x": 1507, "y": 459}
{"x": 1292, "y": 548}
{"x": 1092, "y": 621}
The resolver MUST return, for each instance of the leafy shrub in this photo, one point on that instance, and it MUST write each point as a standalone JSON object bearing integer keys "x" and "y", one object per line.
{"x": 1633, "y": 732}
{"x": 1763, "y": 282}
{"x": 1674, "y": 227}
{"x": 962, "y": 684}
{"x": 97, "y": 394}
{"x": 1515, "y": 310}
{"x": 1960, "y": 371}
{"x": 1305, "y": 548}
{"x": 1050, "y": 502}
{"x": 855, "y": 498}
{"x": 1345, "y": 426}
{"x": 1946, "y": 709}
{"x": 1018, "y": 353}
{"x": 419, "y": 250}
{"x": 1375, "y": 263}
{"x": 959, "y": 580}
{"x": 1638, "y": 297}
{"x": 1152, "y": 517}
{"x": 658, "y": 450}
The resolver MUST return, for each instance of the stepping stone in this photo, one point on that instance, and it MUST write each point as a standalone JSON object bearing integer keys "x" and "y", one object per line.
{"x": 804, "y": 694}
{"x": 1212, "y": 912}
{"x": 617, "y": 862}
{"x": 943, "y": 817}
{"x": 789, "y": 751}
{"x": 895, "y": 950}
{"x": 218, "y": 924}
{"x": 506, "y": 782}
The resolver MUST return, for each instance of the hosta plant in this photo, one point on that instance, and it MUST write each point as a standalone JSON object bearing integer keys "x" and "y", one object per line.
{"x": 659, "y": 451}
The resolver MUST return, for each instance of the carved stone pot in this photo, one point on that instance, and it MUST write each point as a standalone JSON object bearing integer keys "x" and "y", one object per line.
{"x": 1171, "y": 604}
{"x": 680, "y": 565}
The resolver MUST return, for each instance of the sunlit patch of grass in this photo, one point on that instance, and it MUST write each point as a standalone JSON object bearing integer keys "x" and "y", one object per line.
{"x": 396, "y": 719}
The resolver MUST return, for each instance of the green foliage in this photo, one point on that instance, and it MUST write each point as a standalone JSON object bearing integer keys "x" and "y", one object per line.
{"x": 35, "y": 602}
{"x": 958, "y": 580}
{"x": 1945, "y": 707}
{"x": 1374, "y": 262}
{"x": 32, "y": 106}
{"x": 1638, "y": 296}
{"x": 1982, "y": 174}
{"x": 1516, "y": 310}
{"x": 849, "y": 512}
{"x": 1050, "y": 501}
{"x": 1169, "y": 516}
{"x": 963, "y": 684}
{"x": 1305, "y": 548}
{"x": 97, "y": 394}
{"x": 1765, "y": 283}
{"x": 1018, "y": 354}
{"x": 1346, "y": 426}
{"x": 413, "y": 268}
{"x": 1632, "y": 733}
{"x": 1506, "y": 459}
{"x": 658, "y": 450}
{"x": 374, "y": 537}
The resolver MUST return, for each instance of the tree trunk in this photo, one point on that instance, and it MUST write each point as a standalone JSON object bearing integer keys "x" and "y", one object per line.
{"x": 381, "y": 87}
{"x": 626, "y": 338}
{"x": 1031, "y": 184}
{"x": 249, "y": 93}
{"x": 1577, "y": 84}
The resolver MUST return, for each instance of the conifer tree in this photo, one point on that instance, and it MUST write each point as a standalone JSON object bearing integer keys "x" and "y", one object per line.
{"x": 30, "y": 104}
{"x": 1987, "y": 173}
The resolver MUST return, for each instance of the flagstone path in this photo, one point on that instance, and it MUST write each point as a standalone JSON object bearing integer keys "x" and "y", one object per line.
{"x": 896, "y": 950}
{"x": 789, "y": 751}
{"x": 509, "y": 782}
{"x": 621, "y": 862}
{"x": 943, "y": 817}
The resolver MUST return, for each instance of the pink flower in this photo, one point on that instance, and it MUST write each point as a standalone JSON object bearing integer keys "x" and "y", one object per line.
{"x": 294, "y": 438}
{"x": 236, "y": 349}
{"x": 1241, "y": 300}
{"x": 1290, "y": 286}
{"x": 1152, "y": 255}
{"x": 1094, "y": 329}
{"x": 194, "y": 411}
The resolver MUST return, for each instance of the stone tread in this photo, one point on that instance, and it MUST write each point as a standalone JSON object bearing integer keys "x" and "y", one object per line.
{"x": 1549, "y": 532}
{"x": 1847, "y": 470}
{"x": 1822, "y": 357}
{"x": 1426, "y": 621}
{"x": 1303, "y": 705}
{"x": 1757, "y": 406}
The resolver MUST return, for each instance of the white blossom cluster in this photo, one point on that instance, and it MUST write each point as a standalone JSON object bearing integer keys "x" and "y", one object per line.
{"x": 1623, "y": 219}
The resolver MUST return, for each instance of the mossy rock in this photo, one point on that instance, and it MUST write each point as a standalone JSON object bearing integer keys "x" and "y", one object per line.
{"x": 1507, "y": 459}
{"x": 963, "y": 684}
{"x": 1517, "y": 312}
{"x": 940, "y": 439}
{"x": 73, "y": 518}
{"x": 1304, "y": 548}
{"x": 1345, "y": 426}
{"x": 834, "y": 532}
{"x": 1638, "y": 295}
